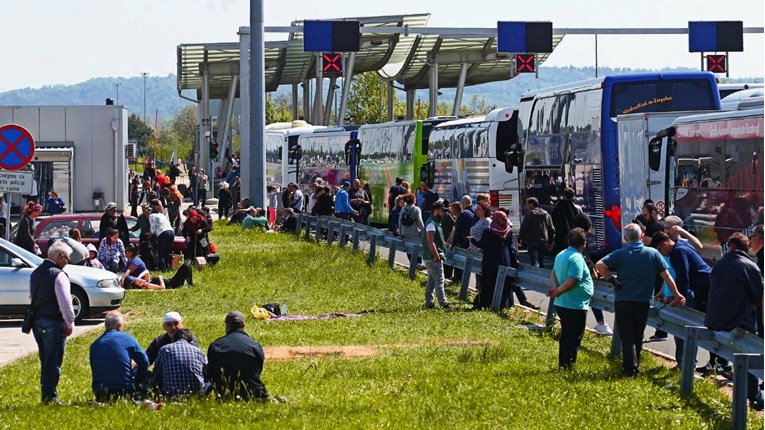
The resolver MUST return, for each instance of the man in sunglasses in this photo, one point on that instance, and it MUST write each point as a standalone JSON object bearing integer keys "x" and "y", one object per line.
{"x": 54, "y": 316}
{"x": 171, "y": 322}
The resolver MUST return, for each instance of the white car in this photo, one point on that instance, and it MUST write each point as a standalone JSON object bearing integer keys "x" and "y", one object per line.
{"x": 94, "y": 291}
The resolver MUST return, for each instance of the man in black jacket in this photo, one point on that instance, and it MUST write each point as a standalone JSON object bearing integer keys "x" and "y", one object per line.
{"x": 735, "y": 291}
{"x": 171, "y": 322}
{"x": 537, "y": 231}
{"x": 235, "y": 362}
{"x": 563, "y": 219}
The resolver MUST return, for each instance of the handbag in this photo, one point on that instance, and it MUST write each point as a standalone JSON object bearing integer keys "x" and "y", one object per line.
{"x": 29, "y": 319}
{"x": 203, "y": 242}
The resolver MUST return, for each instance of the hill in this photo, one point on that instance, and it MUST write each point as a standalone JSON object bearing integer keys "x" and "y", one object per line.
{"x": 161, "y": 92}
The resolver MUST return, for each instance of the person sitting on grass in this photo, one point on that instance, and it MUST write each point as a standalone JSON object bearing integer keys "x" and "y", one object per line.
{"x": 290, "y": 221}
{"x": 136, "y": 275}
{"x": 111, "y": 358}
{"x": 171, "y": 322}
{"x": 240, "y": 212}
{"x": 256, "y": 218}
{"x": 180, "y": 367}
{"x": 111, "y": 251}
{"x": 235, "y": 363}
{"x": 92, "y": 260}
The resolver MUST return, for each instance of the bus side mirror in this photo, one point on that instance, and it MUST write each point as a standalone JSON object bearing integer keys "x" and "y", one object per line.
{"x": 514, "y": 158}
{"x": 654, "y": 153}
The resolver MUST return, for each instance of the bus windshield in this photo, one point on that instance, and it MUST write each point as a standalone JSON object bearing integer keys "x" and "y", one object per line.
{"x": 661, "y": 96}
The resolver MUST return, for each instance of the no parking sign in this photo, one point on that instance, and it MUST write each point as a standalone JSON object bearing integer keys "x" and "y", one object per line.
{"x": 17, "y": 147}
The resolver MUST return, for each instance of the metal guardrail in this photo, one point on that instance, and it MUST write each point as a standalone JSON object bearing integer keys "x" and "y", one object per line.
{"x": 742, "y": 348}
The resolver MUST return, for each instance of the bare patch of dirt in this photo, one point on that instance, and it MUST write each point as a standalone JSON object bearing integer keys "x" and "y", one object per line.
{"x": 295, "y": 352}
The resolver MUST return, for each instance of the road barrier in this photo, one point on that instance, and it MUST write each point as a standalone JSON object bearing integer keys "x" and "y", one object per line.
{"x": 742, "y": 348}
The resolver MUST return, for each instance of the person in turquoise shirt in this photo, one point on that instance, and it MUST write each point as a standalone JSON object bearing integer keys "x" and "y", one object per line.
{"x": 572, "y": 290}
{"x": 256, "y": 218}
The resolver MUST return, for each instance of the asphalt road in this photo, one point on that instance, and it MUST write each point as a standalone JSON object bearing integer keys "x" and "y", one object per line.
{"x": 14, "y": 344}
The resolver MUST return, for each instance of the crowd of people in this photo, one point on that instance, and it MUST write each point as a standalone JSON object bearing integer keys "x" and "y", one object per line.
{"x": 173, "y": 365}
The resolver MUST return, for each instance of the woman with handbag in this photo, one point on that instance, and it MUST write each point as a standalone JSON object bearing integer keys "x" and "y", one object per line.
{"x": 195, "y": 229}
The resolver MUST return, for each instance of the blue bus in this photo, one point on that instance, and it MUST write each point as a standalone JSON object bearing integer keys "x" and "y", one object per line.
{"x": 570, "y": 139}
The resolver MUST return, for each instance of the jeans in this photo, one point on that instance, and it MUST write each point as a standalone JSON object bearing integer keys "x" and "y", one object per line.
{"x": 598, "y": 314}
{"x": 572, "y": 322}
{"x": 164, "y": 245}
{"x": 631, "y": 319}
{"x": 537, "y": 255}
{"x": 51, "y": 343}
{"x": 435, "y": 281}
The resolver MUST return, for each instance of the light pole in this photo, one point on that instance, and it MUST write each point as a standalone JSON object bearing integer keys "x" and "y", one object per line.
{"x": 144, "y": 74}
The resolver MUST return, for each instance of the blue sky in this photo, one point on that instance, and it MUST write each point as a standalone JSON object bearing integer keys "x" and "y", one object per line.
{"x": 49, "y": 42}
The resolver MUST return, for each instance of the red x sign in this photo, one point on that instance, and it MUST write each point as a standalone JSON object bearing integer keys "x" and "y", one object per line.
{"x": 716, "y": 63}
{"x": 332, "y": 64}
{"x": 524, "y": 63}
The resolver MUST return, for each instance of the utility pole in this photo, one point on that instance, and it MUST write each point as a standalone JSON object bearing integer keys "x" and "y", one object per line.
{"x": 144, "y": 74}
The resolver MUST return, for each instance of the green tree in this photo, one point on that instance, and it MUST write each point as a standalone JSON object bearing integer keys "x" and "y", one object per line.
{"x": 367, "y": 100}
{"x": 278, "y": 110}
{"x": 184, "y": 124}
{"x": 142, "y": 133}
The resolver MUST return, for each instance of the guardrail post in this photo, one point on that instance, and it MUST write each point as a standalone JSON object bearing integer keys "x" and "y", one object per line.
{"x": 343, "y": 235}
{"x": 692, "y": 336}
{"x": 331, "y": 232}
{"x": 741, "y": 365}
{"x": 319, "y": 222}
{"x": 372, "y": 248}
{"x": 616, "y": 342}
{"x": 499, "y": 288}
{"x": 550, "y": 320}
{"x": 308, "y": 228}
{"x": 392, "y": 252}
{"x": 356, "y": 238}
{"x": 300, "y": 222}
{"x": 416, "y": 251}
{"x": 467, "y": 272}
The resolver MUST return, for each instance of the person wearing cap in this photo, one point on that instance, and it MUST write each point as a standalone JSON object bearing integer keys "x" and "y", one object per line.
{"x": 235, "y": 362}
{"x": 92, "y": 260}
{"x": 111, "y": 357}
{"x": 171, "y": 322}
{"x": 343, "y": 207}
{"x": 113, "y": 218}
{"x": 434, "y": 251}
{"x": 53, "y": 316}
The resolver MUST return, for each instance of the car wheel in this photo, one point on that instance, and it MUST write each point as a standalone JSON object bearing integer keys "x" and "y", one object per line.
{"x": 80, "y": 304}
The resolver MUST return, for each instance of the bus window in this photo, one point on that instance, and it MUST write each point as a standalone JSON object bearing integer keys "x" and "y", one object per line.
{"x": 661, "y": 96}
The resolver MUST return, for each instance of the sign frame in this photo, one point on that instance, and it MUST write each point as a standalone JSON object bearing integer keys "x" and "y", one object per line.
{"x": 7, "y": 147}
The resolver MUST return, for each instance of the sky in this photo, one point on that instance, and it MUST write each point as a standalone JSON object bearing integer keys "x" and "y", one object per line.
{"x": 47, "y": 42}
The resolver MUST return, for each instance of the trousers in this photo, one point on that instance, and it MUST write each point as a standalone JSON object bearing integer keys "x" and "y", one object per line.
{"x": 51, "y": 343}
{"x": 435, "y": 282}
{"x": 572, "y": 322}
{"x": 631, "y": 319}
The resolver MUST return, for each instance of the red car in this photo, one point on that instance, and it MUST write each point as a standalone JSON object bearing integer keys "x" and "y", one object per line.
{"x": 47, "y": 227}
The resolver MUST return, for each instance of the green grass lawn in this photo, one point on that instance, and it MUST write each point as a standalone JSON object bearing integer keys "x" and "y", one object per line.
{"x": 435, "y": 369}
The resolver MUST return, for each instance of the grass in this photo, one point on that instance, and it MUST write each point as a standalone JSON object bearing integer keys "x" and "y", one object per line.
{"x": 435, "y": 369}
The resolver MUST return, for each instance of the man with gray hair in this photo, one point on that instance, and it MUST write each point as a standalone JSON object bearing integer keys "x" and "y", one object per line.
{"x": 637, "y": 266}
{"x": 110, "y": 362}
{"x": 673, "y": 226}
{"x": 51, "y": 302}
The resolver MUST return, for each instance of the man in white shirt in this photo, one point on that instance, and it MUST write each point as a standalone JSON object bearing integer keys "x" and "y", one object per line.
{"x": 297, "y": 198}
{"x": 54, "y": 316}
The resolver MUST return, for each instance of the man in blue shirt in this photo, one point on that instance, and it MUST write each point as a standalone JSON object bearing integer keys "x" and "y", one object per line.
{"x": 110, "y": 361}
{"x": 637, "y": 266}
{"x": 572, "y": 289}
{"x": 343, "y": 207}
{"x": 428, "y": 198}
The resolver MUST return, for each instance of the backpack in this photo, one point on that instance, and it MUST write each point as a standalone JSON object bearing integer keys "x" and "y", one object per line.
{"x": 408, "y": 218}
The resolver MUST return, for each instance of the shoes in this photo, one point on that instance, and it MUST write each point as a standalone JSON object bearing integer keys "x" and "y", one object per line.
{"x": 428, "y": 306}
{"x": 655, "y": 338}
{"x": 53, "y": 402}
{"x": 422, "y": 267}
{"x": 529, "y": 305}
{"x": 604, "y": 329}
{"x": 446, "y": 307}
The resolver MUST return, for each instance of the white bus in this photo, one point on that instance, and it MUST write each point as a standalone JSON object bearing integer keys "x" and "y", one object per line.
{"x": 467, "y": 156}
{"x": 324, "y": 156}
{"x": 280, "y": 170}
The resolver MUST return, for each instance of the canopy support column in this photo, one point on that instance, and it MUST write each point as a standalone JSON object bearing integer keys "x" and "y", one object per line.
{"x": 347, "y": 80}
{"x": 460, "y": 89}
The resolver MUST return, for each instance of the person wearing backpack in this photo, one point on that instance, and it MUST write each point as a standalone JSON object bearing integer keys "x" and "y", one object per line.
{"x": 410, "y": 225}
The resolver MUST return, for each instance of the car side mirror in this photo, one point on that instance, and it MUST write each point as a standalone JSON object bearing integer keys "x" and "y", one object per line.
{"x": 16, "y": 262}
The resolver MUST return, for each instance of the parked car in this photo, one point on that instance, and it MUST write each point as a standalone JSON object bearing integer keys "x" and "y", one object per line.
{"x": 47, "y": 227}
{"x": 94, "y": 291}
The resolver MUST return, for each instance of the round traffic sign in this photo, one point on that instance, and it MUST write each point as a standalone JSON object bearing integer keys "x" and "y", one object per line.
{"x": 17, "y": 147}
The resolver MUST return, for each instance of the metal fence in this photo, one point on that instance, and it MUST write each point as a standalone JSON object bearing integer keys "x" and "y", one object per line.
{"x": 742, "y": 348}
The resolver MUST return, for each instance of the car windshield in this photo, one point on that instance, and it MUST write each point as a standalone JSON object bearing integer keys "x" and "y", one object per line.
{"x": 21, "y": 252}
